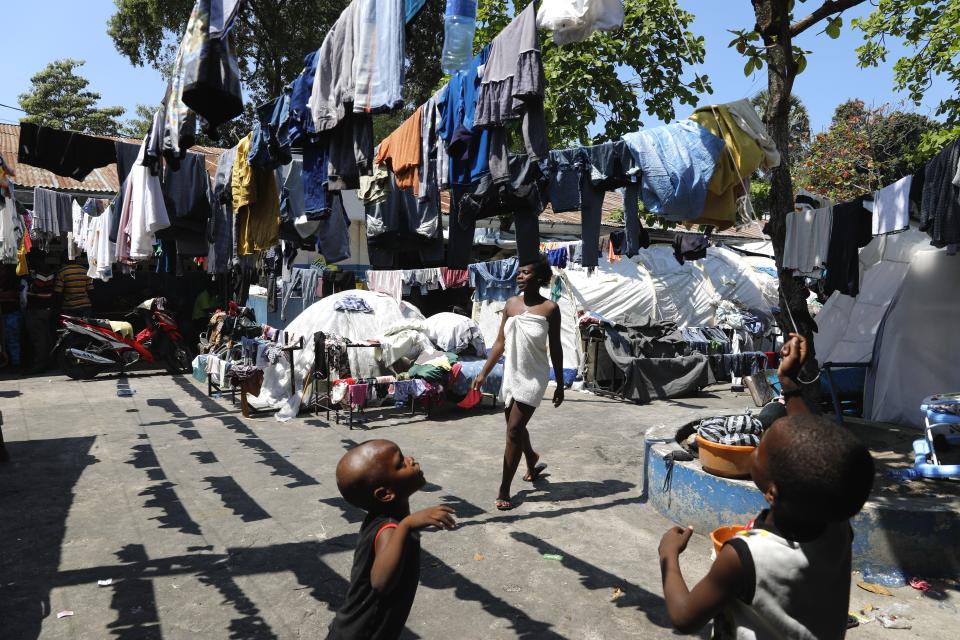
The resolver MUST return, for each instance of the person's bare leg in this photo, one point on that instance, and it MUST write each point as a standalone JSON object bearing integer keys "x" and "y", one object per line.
{"x": 529, "y": 454}
{"x": 518, "y": 440}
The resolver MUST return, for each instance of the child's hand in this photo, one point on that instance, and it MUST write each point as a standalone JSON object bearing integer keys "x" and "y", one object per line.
{"x": 439, "y": 516}
{"x": 674, "y": 541}
{"x": 792, "y": 356}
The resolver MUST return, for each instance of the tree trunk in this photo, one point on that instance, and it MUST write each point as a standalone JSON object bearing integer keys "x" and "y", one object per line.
{"x": 773, "y": 24}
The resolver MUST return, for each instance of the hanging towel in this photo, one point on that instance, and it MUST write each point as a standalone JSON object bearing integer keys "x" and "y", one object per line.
{"x": 388, "y": 282}
{"x": 526, "y": 368}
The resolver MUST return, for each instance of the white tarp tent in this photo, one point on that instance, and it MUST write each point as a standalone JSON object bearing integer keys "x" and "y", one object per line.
{"x": 322, "y": 316}
{"x": 916, "y": 352}
{"x": 848, "y": 326}
{"x": 652, "y": 284}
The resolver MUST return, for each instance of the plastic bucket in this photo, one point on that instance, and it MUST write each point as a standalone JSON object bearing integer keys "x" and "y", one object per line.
{"x": 725, "y": 460}
{"x": 721, "y": 534}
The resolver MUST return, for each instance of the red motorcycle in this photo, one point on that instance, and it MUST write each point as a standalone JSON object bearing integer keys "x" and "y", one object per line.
{"x": 89, "y": 346}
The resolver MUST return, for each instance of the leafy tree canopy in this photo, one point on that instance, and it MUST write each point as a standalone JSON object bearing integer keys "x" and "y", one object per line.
{"x": 929, "y": 27}
{"x": 59, "y": 98}
{"x": 864, "y": 149}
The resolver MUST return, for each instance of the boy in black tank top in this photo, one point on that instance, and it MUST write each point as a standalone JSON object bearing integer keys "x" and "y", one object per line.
{"x": 376, "y": 477}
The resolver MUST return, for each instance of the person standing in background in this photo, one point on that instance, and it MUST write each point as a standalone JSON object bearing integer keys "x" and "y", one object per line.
{"x": 74, "y": 287}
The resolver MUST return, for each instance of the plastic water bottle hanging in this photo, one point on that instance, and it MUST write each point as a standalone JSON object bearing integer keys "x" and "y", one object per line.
{"x": 459, "y": 25}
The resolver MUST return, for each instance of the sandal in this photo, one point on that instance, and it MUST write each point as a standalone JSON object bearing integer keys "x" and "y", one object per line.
{"x": 503, "y": 505}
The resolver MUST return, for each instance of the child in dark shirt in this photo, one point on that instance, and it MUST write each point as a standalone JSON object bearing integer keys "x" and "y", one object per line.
{"x": 376, "y": 477}
{"x": 788, "y": 574}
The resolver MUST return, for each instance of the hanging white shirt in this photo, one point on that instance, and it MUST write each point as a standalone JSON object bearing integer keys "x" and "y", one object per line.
{"x": 144, "y": 213}
{"x": 891, "y": 208}
{"x": 808, "y": 240}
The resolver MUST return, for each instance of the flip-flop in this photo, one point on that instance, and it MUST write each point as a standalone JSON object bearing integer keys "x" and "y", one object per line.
{"x": 533, "y": 475}
{"x": 504, "y": 505}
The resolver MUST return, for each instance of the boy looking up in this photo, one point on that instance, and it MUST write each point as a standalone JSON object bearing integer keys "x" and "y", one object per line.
{"x": 788, "y": 575}
{"x": 376, "y": 477}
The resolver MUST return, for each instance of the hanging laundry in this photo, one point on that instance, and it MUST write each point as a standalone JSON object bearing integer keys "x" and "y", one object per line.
{"x": 374, "y": 189}
{"x": 566, "y": 167}
{"x": 424, "y": 280}
{"x": 144, "y": 213}
{"x": 891, "y": 207}
{"x": 301, "y": 118}
{"x": 211, "y": 75}
{"x": 523, "y": 194}
{"x": 220, "y": 233}
{"x": 513, "y": 87}
{"x": 558, "y": 257}
{"x": 400, "y": 223}
{"x": 360, "y": 64}
{"x": 454, "y": 278}
{"x": 690, "y": 246}
{"x": 187, "y": 195}
{"x": 608, "y": 166}
{"x": 178, "y": 128}
{"x": 270, "y": 146}
{"x": 494, "y": 280}
{"x": 807, "y": 240}
{"x": 676, "y": 163}
{"x": 12, "y": 230}
{"x": 468, "y": 150}
{"x": 388, "y": 282}
{"x": 222, "y": 15}
{"x": 745, "y": 116}
{"x": 741, "y": 157}
{"x": 333, "y": 233}
{"x": 315, "y": 179}
{"x": 127, "y": 154}
{"x": 65, "y": 153}
{"x": 256, "y": 203}
{"x": 52, "y": 216}
{"x": 851, "y": 230}
{"x": 428, "y": 143}
{"x": 400, "y": 153}
{"x": 940, "y": 206}
{"x": 576, "y": 20}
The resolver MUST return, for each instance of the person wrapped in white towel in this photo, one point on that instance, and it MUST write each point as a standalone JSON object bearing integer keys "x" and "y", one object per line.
{"x": 530, "y": 323}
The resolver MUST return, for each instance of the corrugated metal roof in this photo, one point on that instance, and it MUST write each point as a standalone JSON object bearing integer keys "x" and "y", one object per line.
{"x": 100, "y": 181}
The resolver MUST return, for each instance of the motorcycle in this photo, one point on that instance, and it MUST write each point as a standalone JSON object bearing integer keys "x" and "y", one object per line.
{"x": 89, "y": 346}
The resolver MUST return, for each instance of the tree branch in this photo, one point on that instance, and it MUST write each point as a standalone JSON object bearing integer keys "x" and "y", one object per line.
{"x": 829, "y": 7}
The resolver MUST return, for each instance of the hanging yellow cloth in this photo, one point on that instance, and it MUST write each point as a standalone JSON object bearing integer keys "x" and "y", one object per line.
{"x": 256, "y": 203}
{"x": 720, "y": 209}
{"x": 22, "y": 251}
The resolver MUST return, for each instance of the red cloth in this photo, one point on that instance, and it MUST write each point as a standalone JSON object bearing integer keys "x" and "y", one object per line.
{"x": 473, "y": 399}
{"x": 453, "y": 278}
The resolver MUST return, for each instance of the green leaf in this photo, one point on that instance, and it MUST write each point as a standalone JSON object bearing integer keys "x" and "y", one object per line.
{"x": 749, "y": 67}
{"x": 833, "y": 28}
{"x": 801, "y": 64}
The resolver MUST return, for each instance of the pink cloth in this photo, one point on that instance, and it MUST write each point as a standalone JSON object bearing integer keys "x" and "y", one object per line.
{"x": 358, "y": 395}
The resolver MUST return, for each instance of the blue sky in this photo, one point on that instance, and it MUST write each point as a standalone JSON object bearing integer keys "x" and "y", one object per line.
{"x": 79, "y": 31}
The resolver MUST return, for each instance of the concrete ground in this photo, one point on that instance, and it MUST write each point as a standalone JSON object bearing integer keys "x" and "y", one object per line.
{"x": 209, "y": 525}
